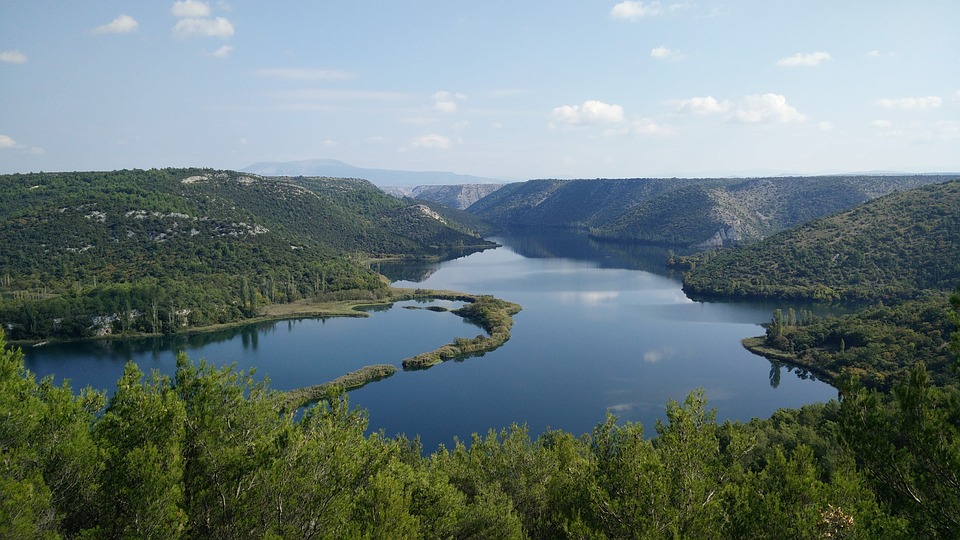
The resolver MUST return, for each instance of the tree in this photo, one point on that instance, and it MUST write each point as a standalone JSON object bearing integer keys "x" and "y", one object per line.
{"x": 142, "y": 435}
{"x": 910, "y": 446}
{"x": 49, "y": 464}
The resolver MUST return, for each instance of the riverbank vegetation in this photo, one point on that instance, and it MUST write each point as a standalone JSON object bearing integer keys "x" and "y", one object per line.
{"x": 494, "y": 315}
{"x": 212, "y": 453}
{"x": 300, "y": 397}
{"x": 878, "y": 346}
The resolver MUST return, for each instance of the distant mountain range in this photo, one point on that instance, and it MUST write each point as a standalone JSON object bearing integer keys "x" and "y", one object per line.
{"x": 381, "y": 177}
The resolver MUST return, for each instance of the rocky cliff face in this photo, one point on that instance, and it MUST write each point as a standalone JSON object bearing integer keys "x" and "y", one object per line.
{"x": 458, "y": 196}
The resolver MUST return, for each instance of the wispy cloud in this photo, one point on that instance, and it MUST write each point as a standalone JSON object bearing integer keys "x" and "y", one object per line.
{"x": 123, "y": 24}
{"x": 647, "y": 128}
{"x": 635, "y": 10}
{"x": 703, "y": 105}
{"x": 446, "y": 102}
{"x": 218, "y": 27}
{"x": 922, "y": 132}
{"x": 767, "y": 108}
{"x": 432, "y": 141}
{"x": 589, "y": 112}
{"x": 804, "y": 59}
{"x": 12, "y": 57}
{"x": 304, "y": 74}
{"x": 8, "y": 143}
{"x": 196, "y": 21}
{"x": 664, "y": 53}
{"x": 222, "y": 52}
{"x": 191, "y": 8}
{"x": 632, "y": 11}
{"x": 911, "y": 103}
{"x": 332, "y": 94}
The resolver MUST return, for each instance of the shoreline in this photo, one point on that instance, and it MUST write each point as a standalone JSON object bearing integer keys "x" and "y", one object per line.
{"x": 274, "y": 312}
{"x": 756, "y": 346}
{"x": 495, "y": 317}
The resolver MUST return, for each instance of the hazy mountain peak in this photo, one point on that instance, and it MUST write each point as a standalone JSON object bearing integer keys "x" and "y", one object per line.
{"x": 380, "y": 177}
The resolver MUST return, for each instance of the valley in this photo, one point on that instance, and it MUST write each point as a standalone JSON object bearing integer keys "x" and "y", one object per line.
{"x": 218, "y": 261}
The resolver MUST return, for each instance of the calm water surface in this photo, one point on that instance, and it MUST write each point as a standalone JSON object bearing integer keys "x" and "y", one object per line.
{"x": 603, "y": 328}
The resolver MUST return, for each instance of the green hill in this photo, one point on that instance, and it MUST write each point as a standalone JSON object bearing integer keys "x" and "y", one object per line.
{"x": 893, "y": 246}
{"x": 684, "y": 212}
{"x": 158, "y": 250}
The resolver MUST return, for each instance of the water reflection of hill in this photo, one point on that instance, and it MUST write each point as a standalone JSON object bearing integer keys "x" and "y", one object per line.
{"x": 134, "y": 347}
{"x": 578, "y": 246}
{"x": 547, "y": 244}
{"x": 405, "y": 271}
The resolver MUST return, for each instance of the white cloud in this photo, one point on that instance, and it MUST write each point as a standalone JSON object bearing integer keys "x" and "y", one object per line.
{"x": 956, "y": 96}
{"x": 767, "y": 108}
{"x": 7, "y": 141}
{"x": 911, "y": 103}
{"x": 123, "y": 24}
{"x": 649, "y": 128}
{"x": 445, "y": 106}
{"x": 191, "y": 8}
{"x": 825, "y": 126}
{"x": 446, "y": 102}
{"x": 590, "y": 112}
{"x": 664, "y": 53}
{"x": 703, "y": 105}
{"x": 801, "y": 59}
{"x": 633, "y": 11}
{"x": 873, "y": 54}
{"x": 190, "y": 27}
{"x": 223, "y": 52}
{"x": 310, "y": 74}
{"x": 12, "y": 57}
{"x": 433, "y": 141}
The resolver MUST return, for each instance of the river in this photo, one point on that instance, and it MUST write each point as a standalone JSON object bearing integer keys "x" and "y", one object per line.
{"x": 603, "y": 328}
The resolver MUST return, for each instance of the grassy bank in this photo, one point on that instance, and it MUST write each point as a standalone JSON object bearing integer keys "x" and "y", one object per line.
{"x": 300, "y": 397}
{"x": 495, "y": 316}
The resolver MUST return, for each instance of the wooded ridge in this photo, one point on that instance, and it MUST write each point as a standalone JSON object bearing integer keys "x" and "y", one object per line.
{"x": 157, "y": 251}
{"x": 707, "y": 212}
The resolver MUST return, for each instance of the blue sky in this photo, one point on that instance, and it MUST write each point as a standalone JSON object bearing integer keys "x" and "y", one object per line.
{"x": 510, "y": 90}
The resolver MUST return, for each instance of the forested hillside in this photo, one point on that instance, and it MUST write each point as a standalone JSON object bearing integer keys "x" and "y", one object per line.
{"x": 891, "y": 247}
{"x": 684, "y": 212}
{"x": 96, "y": 252}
